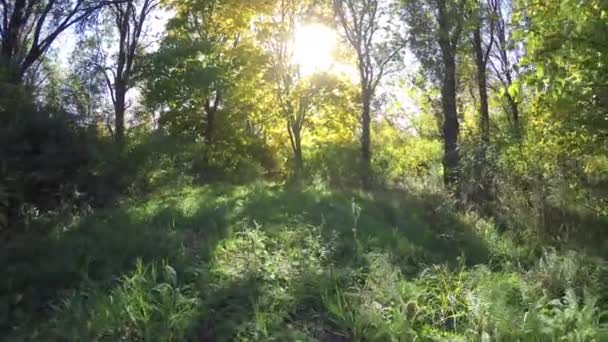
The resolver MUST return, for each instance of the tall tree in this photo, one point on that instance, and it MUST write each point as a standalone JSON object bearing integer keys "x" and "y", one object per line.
{"x": 482, "y": 16}
{"x": 361, "y": 21}
{"x": 504, "y": 57}
{"x": 437, "y": 27}
{"x": 450, "y": 29}
{"x": 28, "y": 28}
{"x": 290, "y": 91}
{"x": 129, "y": 20}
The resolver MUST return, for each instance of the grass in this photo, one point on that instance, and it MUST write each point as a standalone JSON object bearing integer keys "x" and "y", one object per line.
{"x": 265, "y": 262}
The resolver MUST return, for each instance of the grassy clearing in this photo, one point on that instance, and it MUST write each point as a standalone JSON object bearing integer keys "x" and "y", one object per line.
{"x": 264, "y": 262}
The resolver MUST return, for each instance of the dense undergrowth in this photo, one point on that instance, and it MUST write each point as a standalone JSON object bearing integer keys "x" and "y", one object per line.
{"x": 268, "y": 262}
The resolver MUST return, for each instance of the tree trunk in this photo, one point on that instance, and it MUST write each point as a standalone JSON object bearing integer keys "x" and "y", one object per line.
{"x": 298, "y": 158}
{"x": 210, "y": 125}
{"x": 366, "y": 154}
{"x": 295, "y": 139}
{"x": 484, "y": 113}
{"x": 482, "y": 188}
{"x": 211, "y": 113}
{"x": 501, "y": 29}
{"x": 119, "y": 112}
{"x": 10, "y": 41}
{"x": 514, "y": 111}
{"x": 451, "y": 128}
{"x": 512, "y": 102}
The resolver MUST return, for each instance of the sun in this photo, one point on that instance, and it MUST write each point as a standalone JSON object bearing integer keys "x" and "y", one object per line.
{"x": 314, "y": 46}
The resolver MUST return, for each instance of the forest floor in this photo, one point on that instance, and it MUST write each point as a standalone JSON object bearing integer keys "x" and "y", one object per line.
{"x": 267, "y": 262}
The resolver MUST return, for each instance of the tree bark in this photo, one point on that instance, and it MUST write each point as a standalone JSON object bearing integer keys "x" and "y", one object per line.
{"x": 211, "y": 113}
{"x": 482, "y": 83}
{"x": 13, "y": 26}
{"x": 482, "y": 188}
{"x": 121, "y": 73}
{"x": 295, "y": 138}
{"x": 451, "y": 127}
{"x": 119, "y": 112}
{"x": 299, "y": 159}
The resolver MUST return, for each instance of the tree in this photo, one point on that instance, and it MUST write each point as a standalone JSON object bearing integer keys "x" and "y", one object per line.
{"x": 85, "y": 89}
{"x": 292, "y": 93}
{"x": 482, "y": 17}
{"x": 28, "y": 28}
{"x": 504, "y": 59}
{"x": 309, "y": 96}
{"x": 361, "y": 23}
{"x": 566, "y": 83}
{"x": 482, "y": 40}
{"x": 437, "y": 27}
{"x": 129, "y": 18}
{"x": 206, "y": 53}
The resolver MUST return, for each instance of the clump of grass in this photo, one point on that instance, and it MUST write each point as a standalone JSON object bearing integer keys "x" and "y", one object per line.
{"x": 279, "y": 264}
{"x": 147, "y": 304}
{"x": 443, "y": 297}
{"x": 369, "y": 304}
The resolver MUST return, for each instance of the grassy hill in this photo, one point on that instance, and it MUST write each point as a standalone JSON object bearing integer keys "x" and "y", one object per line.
{"x": 267, "y": 262}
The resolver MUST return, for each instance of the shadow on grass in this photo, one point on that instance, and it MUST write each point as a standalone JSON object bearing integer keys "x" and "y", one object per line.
{"x": 582, "y": 231}
{"x": 227, "y": 310}
{"x": 414, "y": 229}
{"x": 183, "y": 228}
{"x": 180, "y": 229}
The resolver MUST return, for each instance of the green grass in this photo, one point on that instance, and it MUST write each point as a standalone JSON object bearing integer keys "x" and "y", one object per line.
{"x": 264, "y": 262}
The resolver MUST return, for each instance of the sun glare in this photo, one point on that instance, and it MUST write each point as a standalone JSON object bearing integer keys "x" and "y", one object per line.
{"x": 314, "y": 46}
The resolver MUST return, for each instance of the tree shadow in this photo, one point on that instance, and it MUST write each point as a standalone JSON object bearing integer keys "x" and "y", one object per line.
{"x": 415, "y": 229}
{"x": 40, "y": 269}
{"x": 227, "y": 310}
{"x": 184, "y": 228}
{"x": 581, "y": 231}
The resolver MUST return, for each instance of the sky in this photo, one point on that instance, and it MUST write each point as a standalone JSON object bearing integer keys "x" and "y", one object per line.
{"x": 66, "y": 42}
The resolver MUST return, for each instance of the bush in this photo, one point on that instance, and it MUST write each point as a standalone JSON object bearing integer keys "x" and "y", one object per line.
{"x": 412, "y": 158}
{"x": 42, "y": 155}
{"x": 336, "y": 164}
{"x": 155, "y": 159}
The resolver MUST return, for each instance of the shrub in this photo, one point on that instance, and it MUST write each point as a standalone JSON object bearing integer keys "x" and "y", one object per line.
{"x": 336, "y": 164}
{"x": 43, "y": 152}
